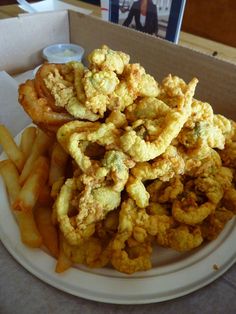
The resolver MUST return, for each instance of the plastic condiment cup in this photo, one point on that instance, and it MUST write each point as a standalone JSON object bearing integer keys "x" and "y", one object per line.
{"x": 62, "y": 53}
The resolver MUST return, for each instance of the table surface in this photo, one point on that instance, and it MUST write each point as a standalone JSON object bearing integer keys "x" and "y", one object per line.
{"x": 21, "y": 292}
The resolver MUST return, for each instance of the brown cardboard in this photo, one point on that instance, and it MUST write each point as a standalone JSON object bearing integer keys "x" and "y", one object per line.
{"x": 22, "y": 40}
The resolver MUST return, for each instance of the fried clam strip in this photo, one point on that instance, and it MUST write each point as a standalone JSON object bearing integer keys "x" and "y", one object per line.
{"x": 212, "y": 226}
{"x": 163, "y": 167}
{"x": 187, "y": 210}
{"x": 135, "y": 225}
{"x": 228, "y": 155}
{"x": 66, "y": 130}
{"x": 105, "y": 135}
{"x": 162, "y": 192}
{"x": 97, "y": 197}
{"x": 147, "y": 108}
{"x": 98, "y": 86}
{"x": 139, "y": 83}
{"x": 91, "y": 253}
{"x": 205, "y": 129}
{"x": 230, "y": 199}
{"x": 182, "y": 238}
{"x": 141, "y": 150}
{"x": 137, "y": 229}
{"x": 134, "y": 83}
{"x": 73, "y": 234}
{"x": 95, "y": 202}
{"x": 201, "y": 163}
{"x": 39, "y": 109}
{"x": 40, "y": 86}
{"x": 65, "y": 95}
{"x": 108, "y": 59}
{"x": 120, "y": 258}
{"x": 103, "y": 84}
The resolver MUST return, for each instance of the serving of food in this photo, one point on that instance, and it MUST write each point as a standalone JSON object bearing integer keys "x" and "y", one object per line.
{"x": 117, "y": 164}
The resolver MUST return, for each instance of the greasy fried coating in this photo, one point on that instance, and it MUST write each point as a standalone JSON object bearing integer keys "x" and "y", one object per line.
{"x": 68, "y": 228}
{"x": 164, "y": 167}
{"x": 102, "y": 82}
{"x": 122, "y": 262}
{"x": 65, "y": 96}
{"x": 66, "y": 130}
{"x": 137, "y": 192}
{"x": 190, "y": 209}
{"x": 214, "y": 224}
{"x": 230, "y": 199}
{"x": 228, "y": 155}
{"x": 139, "y": 82}
{"x": 121, "y": 97}
{"x": 163, "y": 192}
{"x": 184, "y": 238}
{"x": 147, "y": 108}
{"x": 96, "y": 197}
{"x": 188, "y": 212}
{"x": 38, "y": 108}
{"x": 140, "y": 150}
{"x": 108, "y": 59}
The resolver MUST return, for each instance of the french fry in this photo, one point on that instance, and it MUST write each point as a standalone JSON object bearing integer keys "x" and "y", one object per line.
{"x": 30, "y": 235}
{"x": 58, "y": 163}
{"x": 63, "y": 262}
{"x": 10, "y": 177}
{"x": 27, "y": 139}
{"x": 40, "y": 146}
{"x": 11, "y": 149}
{"x": 29, "y": 193}
{"x": 45, "y": 197}
{"x": 48, "y": 231}
{"x": 56, "y": 187}
{"x": 25, "y": 220}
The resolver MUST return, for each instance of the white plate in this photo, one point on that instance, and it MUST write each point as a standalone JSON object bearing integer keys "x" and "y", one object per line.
{"x": 173, "y": 274}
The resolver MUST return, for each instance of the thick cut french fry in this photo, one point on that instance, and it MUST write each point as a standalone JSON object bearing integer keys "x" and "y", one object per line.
{"x": 48, "y": 231}
{"x": 27, "y": 140}
{"x": 11, "y": 149}
{"x": 29, "y": 193}
{"x": 41, "y": 144}
{"x": 45, "y": 198}
{"x": 63, "y": 262}
{"x": 25, "y": 220}
{"x": 56, "y": 187}
{"x": 10, "y": 177}
{"x": 30, "y": 235}
{"x": 58, "y": 163}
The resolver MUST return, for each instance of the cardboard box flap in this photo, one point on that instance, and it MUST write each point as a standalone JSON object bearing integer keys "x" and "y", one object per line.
{"x": 22, "y": 40}
{"x": 24, "y": 37}
{"x": 217, "y": 79}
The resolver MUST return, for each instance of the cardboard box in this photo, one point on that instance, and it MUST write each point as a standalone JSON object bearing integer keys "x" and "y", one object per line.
{"x": 22, "y": 40}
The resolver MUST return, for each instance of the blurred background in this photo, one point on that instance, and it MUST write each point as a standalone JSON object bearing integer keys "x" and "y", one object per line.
{"x": 211, "y": 19}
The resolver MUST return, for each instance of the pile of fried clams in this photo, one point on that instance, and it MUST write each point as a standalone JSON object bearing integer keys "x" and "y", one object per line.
{"x": 147, "y": 162}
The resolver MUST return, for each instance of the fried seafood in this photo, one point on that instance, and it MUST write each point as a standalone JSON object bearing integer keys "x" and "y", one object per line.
{"x": 93, "y": 194}
{"x": 215, "y": 223}
{"x": 108, "y": 59}
{"x": 184, "y": 238}
{"x": 171, "y": 125}
{"x": 147, "y": 162}
{"x": 39, "y": 109}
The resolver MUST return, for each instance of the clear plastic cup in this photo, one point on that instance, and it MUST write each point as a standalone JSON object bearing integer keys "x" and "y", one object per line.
{"x": 62, "y": 53}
